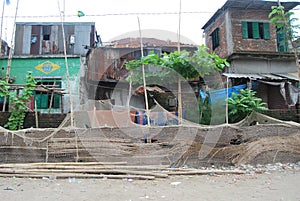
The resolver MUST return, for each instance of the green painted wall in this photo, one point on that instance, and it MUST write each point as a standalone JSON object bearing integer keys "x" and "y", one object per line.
{"x": 20, "y": 67}
{"x": 57, "y": 67}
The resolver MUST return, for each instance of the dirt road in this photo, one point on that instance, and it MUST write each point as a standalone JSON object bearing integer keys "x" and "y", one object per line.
{"x": 275, "y": 185}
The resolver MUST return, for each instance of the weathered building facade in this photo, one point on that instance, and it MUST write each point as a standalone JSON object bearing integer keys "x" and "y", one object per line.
{"x": 46, "y": 38}
{"x": 105, "y": 85}
{"x": 39, "y": 48}
{"x": 241, "y": 32}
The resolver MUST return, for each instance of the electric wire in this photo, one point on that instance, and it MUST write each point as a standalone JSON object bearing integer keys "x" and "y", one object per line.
{"x": 112, "y": 14}
{"x": 120, "y": 14}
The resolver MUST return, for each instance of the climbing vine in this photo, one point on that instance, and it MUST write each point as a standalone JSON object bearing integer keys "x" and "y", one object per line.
{"x": 17, "y": 102}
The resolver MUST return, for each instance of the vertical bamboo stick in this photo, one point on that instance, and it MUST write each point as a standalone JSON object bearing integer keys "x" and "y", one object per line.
{"x": 3, "y": 8}
{"x": 227, "y": 85}
{"x": 179, "y": 79}
{"x": 36, "y": 115}
{"x": 144, "y": 78}
{"x": 67, "y": 66}
{"x": 10, "y": 53}
{"x": 52, "y": 96}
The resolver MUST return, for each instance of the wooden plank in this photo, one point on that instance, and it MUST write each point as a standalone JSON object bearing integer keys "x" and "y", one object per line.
{"x": 82, "y": 176}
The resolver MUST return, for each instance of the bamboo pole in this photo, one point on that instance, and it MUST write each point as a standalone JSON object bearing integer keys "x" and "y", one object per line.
{"x": 80, "y": 175}
{"x": 3, "y": 8}
{"x": 10, "y": 53}
{"x": 204, "y": 172}
{"x": 83, "y": 170}
{"x": 36, "y": 115}
{"x": 67, "y": 66}
{"x": 83, "y": 165}
{"x": 179, "y": 79}
{"x": 51, "y": 99}
{"x": 227, "y": 94}
{"x": 144, "y": 82}
{"x": 86, "y": 164}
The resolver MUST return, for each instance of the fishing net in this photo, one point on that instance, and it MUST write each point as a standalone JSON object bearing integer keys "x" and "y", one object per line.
{"x": 116, "y": 135}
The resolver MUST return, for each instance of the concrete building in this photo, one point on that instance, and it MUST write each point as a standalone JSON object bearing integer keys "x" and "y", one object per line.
{"x": 241, "y": 32}
{"x": 105, "y": 88}
{"x": 39, "y": 48}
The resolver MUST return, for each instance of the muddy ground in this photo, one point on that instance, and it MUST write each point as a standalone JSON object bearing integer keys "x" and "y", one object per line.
{"x": 276, "y": 185}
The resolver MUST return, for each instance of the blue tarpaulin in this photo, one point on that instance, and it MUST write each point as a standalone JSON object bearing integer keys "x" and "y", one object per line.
{"x": 220, "y": 94}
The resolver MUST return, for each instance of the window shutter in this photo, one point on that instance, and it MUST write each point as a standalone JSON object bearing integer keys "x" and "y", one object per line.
{"x": 37, "y": 98}
{"x": 281, "y": 42}
{"x": 56, "y": 101}
{"x": 255, "y": 29}
{"x": 217, "y": 37}
{"x": 244, "y": 30}
{"x": 267, "y": 31}
{"x": 44, "y": 101}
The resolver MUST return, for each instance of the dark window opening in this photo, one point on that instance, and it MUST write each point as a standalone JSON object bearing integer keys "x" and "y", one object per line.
{"x": 46, "y": 37}
{"x": 215, "y": 38}
{"x": 43, "y": 99}
{"x": 256, "y": 30}
{"x": 250, "y": 31}
{"x": 261, "y": 30}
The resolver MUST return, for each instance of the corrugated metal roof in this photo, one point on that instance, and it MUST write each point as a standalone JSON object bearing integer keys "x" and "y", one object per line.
{"x": 289, "y": 76}
{"x": 262, "y": 76}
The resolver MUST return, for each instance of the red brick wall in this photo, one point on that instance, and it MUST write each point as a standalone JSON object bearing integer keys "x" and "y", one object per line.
{"x": 221, "y": 50}
{"x": 238, "y": 43}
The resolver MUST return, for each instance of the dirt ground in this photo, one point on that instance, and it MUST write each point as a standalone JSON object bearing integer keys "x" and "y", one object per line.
{"x": 277, "y": 185}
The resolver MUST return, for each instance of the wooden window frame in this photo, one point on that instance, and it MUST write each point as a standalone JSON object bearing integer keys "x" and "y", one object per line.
{"x": 43, "y": 98}
{"x": 256, "y": 30}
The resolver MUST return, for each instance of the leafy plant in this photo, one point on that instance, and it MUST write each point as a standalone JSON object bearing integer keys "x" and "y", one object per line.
{"x": 242, "y": 104}
{"x": 185, "y": 64}
{"x": 188, "y": 65}
{"x": 287, "y": 25}
{"x": 205, "y": 62}
{"x": 18, "y": 102}
{"x": 285, "y": 22}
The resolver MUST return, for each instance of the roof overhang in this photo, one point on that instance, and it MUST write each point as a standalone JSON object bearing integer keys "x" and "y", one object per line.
{"x": 261, "y": 55}
{"x": 263, "y": 76}
{"x": 249, "y": 5}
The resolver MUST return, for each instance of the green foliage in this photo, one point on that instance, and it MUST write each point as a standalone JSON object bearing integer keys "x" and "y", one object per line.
{"x": 3, "y": 88}
{"x": 198, "y": 64}
{"x": 179, "y": 61}
{"x": 206, "y": 63}
{"x": 241, "y": 105}
{"x": 185, "y": 64}
{"x": 208, "y": 113}
{"x": 284, "y": 22}
{"x": 18, "y": 102}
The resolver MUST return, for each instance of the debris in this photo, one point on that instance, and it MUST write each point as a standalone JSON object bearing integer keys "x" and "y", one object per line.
{"x": 8, "y": 189}
{"x": 176, "y": 183}
{"x": 72, "y": 180}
